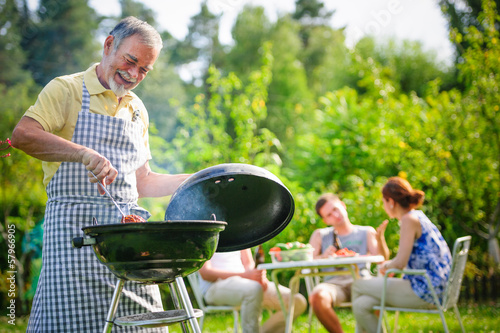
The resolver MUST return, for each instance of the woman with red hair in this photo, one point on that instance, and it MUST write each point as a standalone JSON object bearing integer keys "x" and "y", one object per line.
{"x": 421, "y": 246}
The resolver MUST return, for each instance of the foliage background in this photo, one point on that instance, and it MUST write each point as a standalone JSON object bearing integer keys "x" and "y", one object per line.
{"x": 288, "y": 96}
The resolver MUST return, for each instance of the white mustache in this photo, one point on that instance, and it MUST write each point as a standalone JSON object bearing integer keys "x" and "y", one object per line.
{"x": 126, "y": 76}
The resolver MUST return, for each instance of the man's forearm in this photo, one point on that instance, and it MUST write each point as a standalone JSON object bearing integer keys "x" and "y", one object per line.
{"x": 152, "y": 185}
{"x": 30, "y": 137}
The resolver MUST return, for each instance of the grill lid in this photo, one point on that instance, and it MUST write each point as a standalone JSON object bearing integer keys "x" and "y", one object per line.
{"x": 253, "y": 201}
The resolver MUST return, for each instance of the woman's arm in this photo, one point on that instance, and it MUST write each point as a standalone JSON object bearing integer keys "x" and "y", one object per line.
{"x": 383, "y": 249}
{"x": 410, "y": 230}
{"x": 376, "y": 243}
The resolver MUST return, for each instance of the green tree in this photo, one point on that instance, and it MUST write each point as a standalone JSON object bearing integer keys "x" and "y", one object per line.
{"x": 326, "y": 60}
{"x": 22, "y": 195}
{"x": 289, "y": 94}
{"x": 224, "y": 126}
{"x": 139, "y": 10}
{"x": 462, "y": 15}
{"x": 21, "y": 190}
{"x": 250, "y": 30}
{"x": 163, "y": 93}
{"x": 446, "y": 143}
{"x": 471, "y": 138}
{"x": 324, "y": 53}
{"x": 310, "y": 14}
{"x": 409, "y": 66}
{"x": 347, "y": 146}
{"x": 12, "y": 56}
{"x": 201, "y": 47}
{"x": 61, "y": 39}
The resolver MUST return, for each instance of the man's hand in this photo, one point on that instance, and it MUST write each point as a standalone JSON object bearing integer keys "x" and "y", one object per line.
{"x": 100, "y": 166}
{"x": 330, "y": 251}
{"x": 258, "y": 275}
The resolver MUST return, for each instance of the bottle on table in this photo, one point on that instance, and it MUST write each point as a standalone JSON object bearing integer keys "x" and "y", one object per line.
{"x": 260, "y": 256}
{"x": 336, "y": 240}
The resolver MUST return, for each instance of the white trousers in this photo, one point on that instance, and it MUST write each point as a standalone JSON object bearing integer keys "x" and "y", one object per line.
{"x": 368, "y": 293}
{"x": 248, "y": 294}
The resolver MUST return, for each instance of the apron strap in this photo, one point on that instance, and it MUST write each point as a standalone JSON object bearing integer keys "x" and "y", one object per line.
{"x": 85, "y": 98}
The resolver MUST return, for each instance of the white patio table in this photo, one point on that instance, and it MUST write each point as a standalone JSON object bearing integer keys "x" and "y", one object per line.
{"x": 311, "y": 268}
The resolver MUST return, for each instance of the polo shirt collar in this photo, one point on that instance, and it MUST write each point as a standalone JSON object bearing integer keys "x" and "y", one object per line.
{"x": 93, "y": 85}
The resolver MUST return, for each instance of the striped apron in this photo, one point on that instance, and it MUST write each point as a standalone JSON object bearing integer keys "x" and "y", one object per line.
{"x": 75, "y": 290}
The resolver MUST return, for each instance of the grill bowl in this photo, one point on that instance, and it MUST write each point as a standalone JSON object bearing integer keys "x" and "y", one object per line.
{"x": 155, "y": 252}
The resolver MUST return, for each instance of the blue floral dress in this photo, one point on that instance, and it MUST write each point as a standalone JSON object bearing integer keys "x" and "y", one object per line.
{"x": 430, "y": 252}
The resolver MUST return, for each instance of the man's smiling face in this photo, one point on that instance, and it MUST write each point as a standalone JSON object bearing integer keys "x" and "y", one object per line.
{"x": 124, "y": 68}
{"x": 333, "y": 213}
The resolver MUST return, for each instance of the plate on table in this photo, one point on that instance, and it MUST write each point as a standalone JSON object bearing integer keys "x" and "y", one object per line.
{"x": 346, "y": 253}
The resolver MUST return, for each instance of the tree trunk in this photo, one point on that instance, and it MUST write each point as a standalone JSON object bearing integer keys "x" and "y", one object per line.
{"x": 494, "y": 249}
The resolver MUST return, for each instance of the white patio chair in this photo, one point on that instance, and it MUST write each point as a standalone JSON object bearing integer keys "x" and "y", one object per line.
{"x": 193, "y": 281}
{"x": 451, "y": 293}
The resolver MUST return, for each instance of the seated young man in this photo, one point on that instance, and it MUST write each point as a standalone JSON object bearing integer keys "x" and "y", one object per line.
{"x": 360, "y": 239}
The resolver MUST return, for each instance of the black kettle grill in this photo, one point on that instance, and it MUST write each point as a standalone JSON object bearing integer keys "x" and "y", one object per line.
{"x": 227, "y": 207}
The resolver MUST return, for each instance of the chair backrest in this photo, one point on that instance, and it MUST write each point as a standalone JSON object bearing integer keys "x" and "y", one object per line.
{"x": 459, "y": 259}
{"x": 195, "y": 286}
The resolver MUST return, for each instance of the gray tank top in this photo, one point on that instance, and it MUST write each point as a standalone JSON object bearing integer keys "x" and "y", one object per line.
{"x": 355, "y": 241}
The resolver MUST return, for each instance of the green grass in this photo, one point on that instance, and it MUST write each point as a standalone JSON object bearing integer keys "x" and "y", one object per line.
{"x": 476, "y": 319}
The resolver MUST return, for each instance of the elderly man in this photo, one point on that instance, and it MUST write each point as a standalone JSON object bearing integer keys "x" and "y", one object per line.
{"x": 91, "y": 121}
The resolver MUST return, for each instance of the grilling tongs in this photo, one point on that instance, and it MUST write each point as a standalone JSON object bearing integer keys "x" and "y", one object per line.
{"x": 108, "y": 194}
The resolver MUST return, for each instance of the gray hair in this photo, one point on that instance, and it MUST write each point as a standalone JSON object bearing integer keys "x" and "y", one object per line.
{"x": 130, "y": 26}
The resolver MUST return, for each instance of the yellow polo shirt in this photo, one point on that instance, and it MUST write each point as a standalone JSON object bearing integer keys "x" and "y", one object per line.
{"x": 60, "y": 101}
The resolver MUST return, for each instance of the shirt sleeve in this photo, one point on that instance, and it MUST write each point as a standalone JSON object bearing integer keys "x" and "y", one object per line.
{"x": 51, "y": 109}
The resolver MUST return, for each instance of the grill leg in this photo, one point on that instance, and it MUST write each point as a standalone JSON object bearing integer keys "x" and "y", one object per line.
{"x": 174, "y": 292}
{"x": 114, "y": 305}
{"x": 186, "y": 304}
